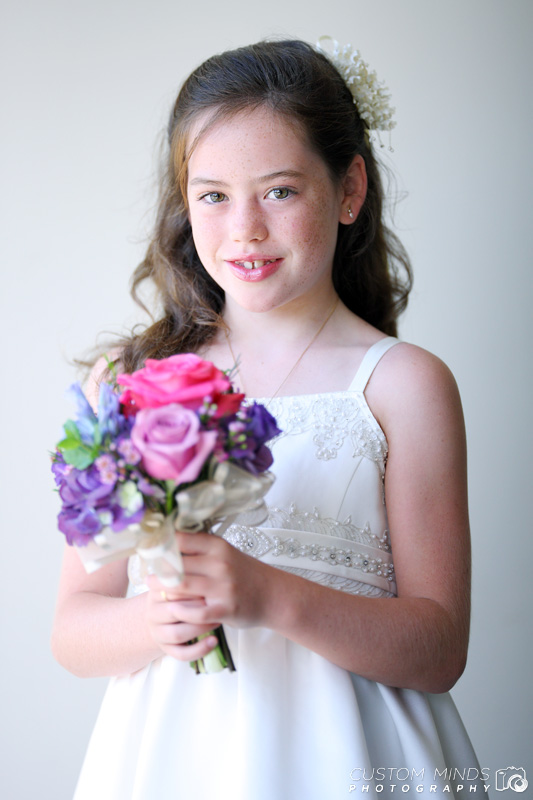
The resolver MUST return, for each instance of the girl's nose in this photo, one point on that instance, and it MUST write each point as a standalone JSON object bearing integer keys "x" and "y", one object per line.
{"x": 247, "y": 223}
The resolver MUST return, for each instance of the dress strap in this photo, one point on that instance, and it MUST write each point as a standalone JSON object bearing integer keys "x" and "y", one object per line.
{"x": 370, "y": 361}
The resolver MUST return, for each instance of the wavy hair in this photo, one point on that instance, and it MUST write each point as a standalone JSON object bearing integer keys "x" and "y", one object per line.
{"x": 371, "y": 271}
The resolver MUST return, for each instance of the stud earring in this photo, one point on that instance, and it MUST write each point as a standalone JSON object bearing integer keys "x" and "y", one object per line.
{"x": 350, "y": 212}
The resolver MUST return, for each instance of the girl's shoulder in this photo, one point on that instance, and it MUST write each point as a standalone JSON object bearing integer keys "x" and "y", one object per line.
{"x": 410, "y": 385}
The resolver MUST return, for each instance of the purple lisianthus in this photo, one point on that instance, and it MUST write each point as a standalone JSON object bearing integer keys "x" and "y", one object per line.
{"x": 84, "y": 487}
{"x": 87, "y": 501}
{"x": 261, "y": 424}
{"x": 250, "y": 435}
{"x": 59, "y": 468}
{"x": 84, "y": 497}
{"x": 79, "y": 525}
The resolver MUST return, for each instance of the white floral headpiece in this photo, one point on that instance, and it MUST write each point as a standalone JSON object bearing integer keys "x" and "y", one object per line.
{"x": 370, "y": 95}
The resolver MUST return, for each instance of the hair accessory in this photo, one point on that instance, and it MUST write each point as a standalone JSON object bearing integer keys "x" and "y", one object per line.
{"x": 370, "y": 95}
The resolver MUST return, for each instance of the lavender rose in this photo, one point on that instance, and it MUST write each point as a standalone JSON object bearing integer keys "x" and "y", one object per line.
{"x": 171, "y": 443}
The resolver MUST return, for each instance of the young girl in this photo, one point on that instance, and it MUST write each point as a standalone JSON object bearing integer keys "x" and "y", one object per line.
{"x": 347, "y": 612}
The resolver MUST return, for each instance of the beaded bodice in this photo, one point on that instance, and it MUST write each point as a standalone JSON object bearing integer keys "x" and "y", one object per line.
{"x": 327, "y": 519}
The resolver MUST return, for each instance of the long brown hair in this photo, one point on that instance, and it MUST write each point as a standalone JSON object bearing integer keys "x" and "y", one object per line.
{"x": 371, "y": 271}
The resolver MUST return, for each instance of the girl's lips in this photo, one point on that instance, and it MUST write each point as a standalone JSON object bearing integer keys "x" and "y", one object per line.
{"x": 257, "y": 273}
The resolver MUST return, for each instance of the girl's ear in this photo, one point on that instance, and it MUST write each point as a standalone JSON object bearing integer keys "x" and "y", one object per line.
{"x": 353, "y": 191}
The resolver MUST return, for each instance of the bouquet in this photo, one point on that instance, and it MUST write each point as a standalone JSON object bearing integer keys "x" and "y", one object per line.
{"x": 171, "y": 447}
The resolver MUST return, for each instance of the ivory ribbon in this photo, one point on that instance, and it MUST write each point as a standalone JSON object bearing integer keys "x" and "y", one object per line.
{"x": 230, "y": 492}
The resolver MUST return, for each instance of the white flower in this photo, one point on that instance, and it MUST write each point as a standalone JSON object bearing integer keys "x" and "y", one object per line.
{"x": 370, "y": 95}
{"x": 129, "y": 497}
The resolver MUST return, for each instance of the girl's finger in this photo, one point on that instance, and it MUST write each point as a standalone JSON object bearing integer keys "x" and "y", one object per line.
{"x": 180, "y": 633}
{"x": 171, "y": 611}
{"x": 199, "y": 613}
{"x": 196, "y": 543}
{"x": 191, "y": 652}
{"x": 161, "y": 593}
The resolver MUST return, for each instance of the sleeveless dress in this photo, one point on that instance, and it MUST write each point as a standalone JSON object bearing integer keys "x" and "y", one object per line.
{"x": 289, "y": 724}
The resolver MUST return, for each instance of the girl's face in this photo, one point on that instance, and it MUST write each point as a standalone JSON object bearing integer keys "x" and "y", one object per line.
{"x": 264, "y": 211}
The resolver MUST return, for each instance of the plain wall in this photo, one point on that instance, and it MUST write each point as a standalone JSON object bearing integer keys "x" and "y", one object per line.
{"x": 87, "y": 88}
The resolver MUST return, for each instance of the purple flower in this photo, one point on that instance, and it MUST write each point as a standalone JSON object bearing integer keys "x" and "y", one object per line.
{"x": 150, "y": 489}
{"x": 172, "y": 443}
{"x": 86, "y": 419}
{"x": 107, "y": 468}
{"x": 86, "y": 500}
{"x": 128, "y": 451}
{"x": 110, "y": 421}
{"x": 79, "y": 524}
{"x": 249, "y": 439}
{"x": 84, "y": 487}
{"x": 59, "y": 468}
{"x": 261, "y": 424}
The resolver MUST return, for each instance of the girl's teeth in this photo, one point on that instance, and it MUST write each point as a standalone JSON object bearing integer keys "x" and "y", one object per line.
{"x": 252, "y": 264}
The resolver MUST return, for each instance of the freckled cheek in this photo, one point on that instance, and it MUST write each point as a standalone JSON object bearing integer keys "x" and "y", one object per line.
{"x": 314, "y": 241}
{"x": 206, "y": 240}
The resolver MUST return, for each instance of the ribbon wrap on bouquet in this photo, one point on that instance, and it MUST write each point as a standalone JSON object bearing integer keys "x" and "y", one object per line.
{"x": 230, "y": 492}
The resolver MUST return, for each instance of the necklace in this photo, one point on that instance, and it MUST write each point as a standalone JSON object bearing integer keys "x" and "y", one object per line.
{"x": 315, "y": 337}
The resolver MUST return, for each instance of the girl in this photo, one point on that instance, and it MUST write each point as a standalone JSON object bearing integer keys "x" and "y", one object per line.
{"x": 347, "y": 613}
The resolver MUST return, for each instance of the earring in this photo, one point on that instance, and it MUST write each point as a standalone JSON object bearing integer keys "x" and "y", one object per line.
{"x": 350, "y": 212}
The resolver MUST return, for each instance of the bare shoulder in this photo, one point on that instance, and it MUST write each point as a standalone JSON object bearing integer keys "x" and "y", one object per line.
{"x": 410, "y": 383}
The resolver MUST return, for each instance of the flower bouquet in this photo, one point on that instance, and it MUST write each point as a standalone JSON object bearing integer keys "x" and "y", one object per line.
{"x": 171, "y": 447}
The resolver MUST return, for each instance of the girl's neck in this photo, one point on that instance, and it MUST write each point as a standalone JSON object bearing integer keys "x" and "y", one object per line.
{"x": 290, "y": 326}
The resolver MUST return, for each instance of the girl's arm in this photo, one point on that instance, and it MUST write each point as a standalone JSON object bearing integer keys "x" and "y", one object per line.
{"x": 418, "y": 640}
{"x": 99, "y": 632}
{"x": 96, "y": 630}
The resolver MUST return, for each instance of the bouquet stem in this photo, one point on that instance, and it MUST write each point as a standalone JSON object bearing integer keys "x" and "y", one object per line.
{"x": 218, "y": 659}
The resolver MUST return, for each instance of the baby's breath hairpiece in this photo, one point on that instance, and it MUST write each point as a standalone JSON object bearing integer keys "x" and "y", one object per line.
{"x": 370, "y": 95}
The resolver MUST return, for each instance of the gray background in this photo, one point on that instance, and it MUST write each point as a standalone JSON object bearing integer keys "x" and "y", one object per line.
{"x": 87, "y": 90}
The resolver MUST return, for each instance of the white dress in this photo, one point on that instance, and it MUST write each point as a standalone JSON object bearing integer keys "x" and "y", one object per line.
{"x": 289, "y": 724}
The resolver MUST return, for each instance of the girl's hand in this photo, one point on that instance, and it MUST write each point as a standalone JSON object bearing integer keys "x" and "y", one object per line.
{"x": 168, "y": 628}
{"x": 221, "y": 584}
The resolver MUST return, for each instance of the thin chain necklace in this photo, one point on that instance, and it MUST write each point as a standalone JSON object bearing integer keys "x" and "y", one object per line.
{"x": 315, "y": 337}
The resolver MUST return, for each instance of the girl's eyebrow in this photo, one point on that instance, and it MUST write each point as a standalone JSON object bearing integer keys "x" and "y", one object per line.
{"x": 283, "y": 173}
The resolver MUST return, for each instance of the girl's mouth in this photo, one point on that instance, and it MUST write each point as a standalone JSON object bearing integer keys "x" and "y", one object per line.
{"x": 256, "y": 269}
{"x": 254, "y": 264}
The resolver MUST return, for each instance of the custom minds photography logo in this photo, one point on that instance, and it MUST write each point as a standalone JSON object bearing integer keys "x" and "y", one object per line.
{"x": 511, "y": 778}
{"x": 387, "y": 780}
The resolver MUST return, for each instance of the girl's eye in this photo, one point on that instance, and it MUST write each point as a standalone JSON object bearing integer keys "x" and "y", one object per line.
{"x": 281, "y": 192}
{"x": 213, "y": 197}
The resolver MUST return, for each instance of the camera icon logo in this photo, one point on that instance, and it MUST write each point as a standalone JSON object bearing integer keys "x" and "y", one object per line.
{"x": 511, "y": 778}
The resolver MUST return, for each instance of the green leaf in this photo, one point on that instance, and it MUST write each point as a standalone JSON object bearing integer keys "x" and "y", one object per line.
{"x": 71, "y": 429}
{"x": 112, "y": 367}
{"x": 79, "y": 456}
{"x": 97, "y": 438}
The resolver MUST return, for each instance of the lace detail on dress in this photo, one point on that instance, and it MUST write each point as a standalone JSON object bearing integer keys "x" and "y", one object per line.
{"x": 333, "y": 418}
{"x": 311, "y": 521}
{"x": 312, "y": 545}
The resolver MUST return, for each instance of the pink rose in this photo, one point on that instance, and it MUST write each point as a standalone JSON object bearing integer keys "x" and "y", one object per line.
{"x": 184, "y": 378}
{"x": 172, "y": 446}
